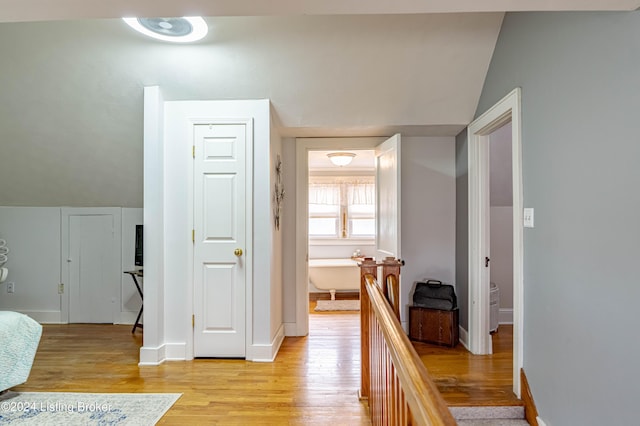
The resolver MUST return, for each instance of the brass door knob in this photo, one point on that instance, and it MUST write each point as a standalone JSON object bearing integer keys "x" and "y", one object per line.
{"x": 237, "y": 252}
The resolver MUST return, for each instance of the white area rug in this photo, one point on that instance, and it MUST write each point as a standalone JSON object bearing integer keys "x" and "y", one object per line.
{"x": 337, "y": 305}
{"x": 69, "y": 409}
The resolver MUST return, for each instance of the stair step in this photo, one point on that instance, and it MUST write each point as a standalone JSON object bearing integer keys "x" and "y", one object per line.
{"x": 494, "y": 416}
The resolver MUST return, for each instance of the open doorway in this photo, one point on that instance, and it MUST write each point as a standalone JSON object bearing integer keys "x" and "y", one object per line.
{"x": 501, "y": 247}
{"x": 501, "y": 228}
{"x": 387, "y": 172}
{"x": 505, "y": 111}
{"x": 342, "y": 231}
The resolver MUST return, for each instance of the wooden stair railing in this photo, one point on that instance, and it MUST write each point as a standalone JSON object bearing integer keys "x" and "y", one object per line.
{"x": 394, "y": 379}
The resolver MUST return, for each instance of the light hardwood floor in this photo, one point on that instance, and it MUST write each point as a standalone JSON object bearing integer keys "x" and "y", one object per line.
{"x": 314, "y": 379}
{"x": 464, "y": 379}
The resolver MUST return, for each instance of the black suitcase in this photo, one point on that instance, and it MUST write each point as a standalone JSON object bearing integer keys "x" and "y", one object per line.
{"x": 433, "y": 294}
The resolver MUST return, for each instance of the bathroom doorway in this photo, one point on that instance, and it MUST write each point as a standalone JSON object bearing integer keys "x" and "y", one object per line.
{"x": 386, "y": 170}
{"x": 501, "y": 245}
{"x": 341, "y": 224}
{"x": 501, "y": 227}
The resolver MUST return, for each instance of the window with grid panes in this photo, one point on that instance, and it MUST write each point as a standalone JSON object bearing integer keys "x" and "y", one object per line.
{"x": 342, "y": 208}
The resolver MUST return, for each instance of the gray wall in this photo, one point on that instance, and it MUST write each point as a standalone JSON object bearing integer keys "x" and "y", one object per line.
{"x": 428, "y": 213}
{"x": 580, "y": 104}
{"x": 462, "y": 228}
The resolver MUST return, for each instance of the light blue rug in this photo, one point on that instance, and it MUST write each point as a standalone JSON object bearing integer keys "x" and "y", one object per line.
{"x": 69, "y": 409}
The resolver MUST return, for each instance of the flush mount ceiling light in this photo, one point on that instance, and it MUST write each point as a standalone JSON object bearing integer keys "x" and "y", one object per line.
{"x": 177, "y": 30}
{"x": 341, "y": 158}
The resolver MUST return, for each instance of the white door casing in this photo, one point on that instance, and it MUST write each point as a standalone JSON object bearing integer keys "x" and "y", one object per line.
{"x": 220, "y": 215}
{"x": 507, "y": 109}
{"x": 303, "y": 146}
{"x": 388, "y": 200}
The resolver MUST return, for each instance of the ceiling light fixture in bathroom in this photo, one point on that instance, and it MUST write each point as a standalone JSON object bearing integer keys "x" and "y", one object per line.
{"x": 176, "y": 30}
{"x": 341, "y": 158}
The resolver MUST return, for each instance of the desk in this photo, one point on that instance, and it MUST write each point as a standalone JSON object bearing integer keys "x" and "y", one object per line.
{"x": 135, "y": 274}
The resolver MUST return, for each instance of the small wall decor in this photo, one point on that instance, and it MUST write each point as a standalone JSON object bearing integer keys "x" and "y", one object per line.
{"x": 278, "y": 194}
{"x": 4, "y": 251}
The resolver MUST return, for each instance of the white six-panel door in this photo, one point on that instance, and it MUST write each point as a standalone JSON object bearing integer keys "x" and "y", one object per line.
{"x": 219, "y": 239}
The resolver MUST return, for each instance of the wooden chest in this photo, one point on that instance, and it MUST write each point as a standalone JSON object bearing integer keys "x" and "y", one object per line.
{"x": 433, "y": 326}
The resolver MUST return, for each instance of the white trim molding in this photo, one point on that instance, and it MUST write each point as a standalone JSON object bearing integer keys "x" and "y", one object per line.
{"x": 152, "y": 356}
{"x": 303, "y": 146}
{"x": 463, "y": 337}
{"x": 267, "y": 353}
{"x": 175, "y": 351}
{"x": 162, "y": 353}
{"x": 127, "y": 318}
{"x": 45, "y": 317}
{"x": 506, "y": 110}
{"x": 505, "y": 316}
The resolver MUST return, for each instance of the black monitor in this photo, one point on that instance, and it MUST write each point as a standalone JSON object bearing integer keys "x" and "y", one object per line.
{"x": 139, "y": 246}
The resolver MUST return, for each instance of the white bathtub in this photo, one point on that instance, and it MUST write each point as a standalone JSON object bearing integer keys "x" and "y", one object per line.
{"x": 334, "y": 274}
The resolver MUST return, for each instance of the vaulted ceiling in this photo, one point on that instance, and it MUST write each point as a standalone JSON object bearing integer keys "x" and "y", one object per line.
{"x": 72, "y": 78}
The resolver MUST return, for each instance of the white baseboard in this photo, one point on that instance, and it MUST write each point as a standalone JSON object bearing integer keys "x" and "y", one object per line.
{"x": 127, "y": 318}
{"x": 178, "y": 351}
{"x": 464, "y": 337}
{"x": 55, "y": 317}
{"x": 505, "y": 316}
{"x": 267, "y": 353}
{"x": 540, "y": 422}
{"x": 162, "y": 353}
{"x": 175, "y": 351}
{"x": 44, "y": 317}
{"x": 152, "y": 356}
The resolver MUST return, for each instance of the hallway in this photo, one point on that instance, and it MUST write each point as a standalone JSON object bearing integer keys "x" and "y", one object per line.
{"x": 313, "y": 381}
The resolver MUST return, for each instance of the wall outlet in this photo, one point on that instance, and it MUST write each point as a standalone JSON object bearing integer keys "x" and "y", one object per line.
{"x": 11, "y": 287}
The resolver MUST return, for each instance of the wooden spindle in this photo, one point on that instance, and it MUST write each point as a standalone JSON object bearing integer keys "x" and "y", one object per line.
{"x": 397, "y": 384}
{"x": 367, "y": 267}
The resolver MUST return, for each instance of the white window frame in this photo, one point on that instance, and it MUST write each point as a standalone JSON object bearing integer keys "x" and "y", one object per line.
{"x": 343, "y": 223}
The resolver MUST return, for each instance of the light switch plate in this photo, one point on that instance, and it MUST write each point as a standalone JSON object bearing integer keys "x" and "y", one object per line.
{"x": 528, "y": 217}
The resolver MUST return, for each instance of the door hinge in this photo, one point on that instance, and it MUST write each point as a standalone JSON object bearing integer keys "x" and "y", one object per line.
{"x": 60, "y": 288}
{"x": 193, "y": 151}
{"x": 193, "y": 321}
{"x": 193, "y": 235}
